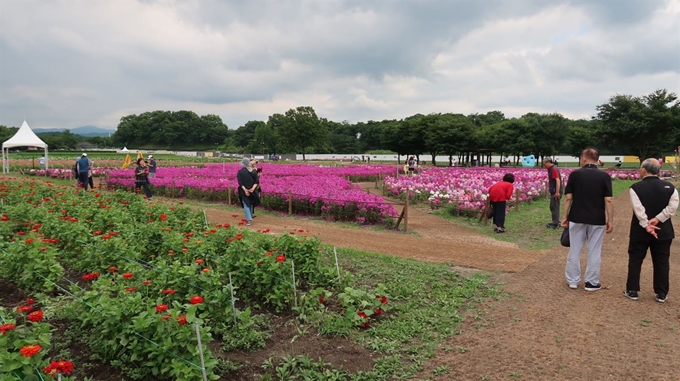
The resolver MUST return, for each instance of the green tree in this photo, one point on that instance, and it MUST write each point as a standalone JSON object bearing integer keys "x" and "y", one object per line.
{"x": 302, "y": 130}
{"x": 581, "y": 134}
{"x": 641, "y": 125}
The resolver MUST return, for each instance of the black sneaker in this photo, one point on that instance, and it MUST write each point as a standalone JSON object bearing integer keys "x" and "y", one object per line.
{"x": 632, "y": 295}
{"x": 551, "y": 226}
{"x": 592, "y": 287}
{"x": 661, "y": 298}
{"x": 500, "y": 230}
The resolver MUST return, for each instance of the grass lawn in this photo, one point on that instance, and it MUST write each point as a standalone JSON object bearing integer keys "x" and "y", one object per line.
{"x": 526, "y": 226}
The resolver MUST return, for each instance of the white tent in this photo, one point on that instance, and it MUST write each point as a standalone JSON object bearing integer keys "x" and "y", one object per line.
{"x": 25, "y": 137}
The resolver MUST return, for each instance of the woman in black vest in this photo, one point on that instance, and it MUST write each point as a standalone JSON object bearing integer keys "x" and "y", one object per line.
{"x": 247, "y": 189}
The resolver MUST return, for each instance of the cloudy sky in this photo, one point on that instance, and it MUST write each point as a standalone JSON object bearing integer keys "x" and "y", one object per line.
{"x": 69, "y": 63}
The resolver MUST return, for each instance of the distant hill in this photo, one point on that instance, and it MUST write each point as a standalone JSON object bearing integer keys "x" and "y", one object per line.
{"x": 82, "y": 131}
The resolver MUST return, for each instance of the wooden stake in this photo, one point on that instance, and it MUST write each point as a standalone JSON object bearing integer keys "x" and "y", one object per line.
{"x": 517, "y": 199}
{"x": 290, "y": 203}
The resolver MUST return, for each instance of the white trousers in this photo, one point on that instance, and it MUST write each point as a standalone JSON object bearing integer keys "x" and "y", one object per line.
{"x": 579, "y": 234}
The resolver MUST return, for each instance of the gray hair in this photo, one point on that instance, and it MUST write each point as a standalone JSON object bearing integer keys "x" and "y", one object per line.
{"x": 652, "y": 166}
{"x": 245, "y": 162}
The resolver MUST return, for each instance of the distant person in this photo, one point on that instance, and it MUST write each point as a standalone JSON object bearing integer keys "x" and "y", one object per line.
{"x": 499, "y": 194}
{"x": 90, "y": 180}
{"x": 618, "y": 165}
{"x": 42, "y": 162}
{"x": 654, "y": 202}
{"x": 589, "y": 214}
{"x": 257, "y": 171}
{"x": 152, "y": 167}
{"x": 411, "y": 165}
{"x": 83, "y": 170}
{"x": 247, "y": 185}
{"x": 555, "y": 190}
{"x": 142, "y": 178}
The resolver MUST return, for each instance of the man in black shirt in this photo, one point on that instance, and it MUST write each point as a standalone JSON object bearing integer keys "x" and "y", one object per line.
{"x": 654, "y": 202}
{"x": 588, "y": 213}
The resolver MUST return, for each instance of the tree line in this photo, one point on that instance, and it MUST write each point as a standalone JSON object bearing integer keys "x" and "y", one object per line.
{"x": 643, "y": 126}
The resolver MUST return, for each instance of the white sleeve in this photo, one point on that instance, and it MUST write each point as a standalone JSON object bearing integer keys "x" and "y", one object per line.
{"x": 670, "y": 209}
{"x": 638, "y": 209}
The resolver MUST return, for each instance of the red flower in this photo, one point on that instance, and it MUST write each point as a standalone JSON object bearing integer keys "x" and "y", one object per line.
{"x": 61, "y": 366}
{"x": 171, "y": 252}
{"x": 44, "y": 248}
{"x": 196, "y": 300}
{"x": 378, "y": 312}
{"x": 36, "y": 316}
{"x": 29, "y": 241}
{"x": 128, "y": 275}
{"x": 206, "y": 270}
{"x": 131, "y": 289}
{"x": 21, "y": 233}
{"x": 30, "y": 301}
{"x": 163, "y": 217}
{"x": 269, "y": 253}
{"x": 362, "y": 315}
{"x": 166, "y": 317}
{"x": 322, "y": 300}
{"x": 383, "y": 299}
{"x": 91, "y": 276}
{"x": 199, "y": 261}
{"x": 168, "y": 292}
{"x": 259, "y": 264}
{"x": 161, "y": 308}
{"x": 280, "y": 258}
{"x": 97, "y": 232}
{"x": 113, "y": 268}
{"x": 24, "y": 308}
{"x": 30, "y": 350}
{"x": 181, "y": 320}
{"x": 6, "y": 328}
{"x": 146, "y": 282}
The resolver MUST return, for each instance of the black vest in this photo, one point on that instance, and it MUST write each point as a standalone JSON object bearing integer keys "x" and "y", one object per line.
{"x": 654, "y": 194}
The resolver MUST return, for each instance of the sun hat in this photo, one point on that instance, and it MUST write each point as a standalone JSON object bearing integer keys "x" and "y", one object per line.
{"x": 84, "y": 154}
{"x": 245, "y": 162}
{"x": 150, "y": 156}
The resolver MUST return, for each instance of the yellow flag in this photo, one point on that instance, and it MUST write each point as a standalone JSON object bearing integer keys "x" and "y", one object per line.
{"x": 127, "y": 162}
{"x": 140, "y": 155}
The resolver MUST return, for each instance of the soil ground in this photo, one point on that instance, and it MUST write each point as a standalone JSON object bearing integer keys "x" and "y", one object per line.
{"x": 541, "y": 330}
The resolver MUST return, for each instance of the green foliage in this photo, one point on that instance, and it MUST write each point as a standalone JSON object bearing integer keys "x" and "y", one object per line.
{"x": 170, "y": 129}
{"x": 301, "y": 129}
{"x": 642, "y": 125}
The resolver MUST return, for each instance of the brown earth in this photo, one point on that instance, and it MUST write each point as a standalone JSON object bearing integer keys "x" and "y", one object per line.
{"x": 542, "y": 330}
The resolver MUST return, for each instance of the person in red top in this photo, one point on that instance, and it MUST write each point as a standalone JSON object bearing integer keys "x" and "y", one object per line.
{"x": 499, "y": 194}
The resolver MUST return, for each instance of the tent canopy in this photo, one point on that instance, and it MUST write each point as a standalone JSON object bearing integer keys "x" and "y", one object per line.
{"x": 25, "y": 137}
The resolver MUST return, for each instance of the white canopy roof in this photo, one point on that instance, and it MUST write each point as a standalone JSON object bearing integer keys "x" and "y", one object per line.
{"x": 25, "y": 137}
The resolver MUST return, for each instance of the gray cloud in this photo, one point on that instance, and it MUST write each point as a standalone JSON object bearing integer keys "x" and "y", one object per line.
{"x": 65, "y": 63}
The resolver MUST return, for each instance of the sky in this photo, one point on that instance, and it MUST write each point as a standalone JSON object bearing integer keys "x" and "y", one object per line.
{"x": 70, "y": 63}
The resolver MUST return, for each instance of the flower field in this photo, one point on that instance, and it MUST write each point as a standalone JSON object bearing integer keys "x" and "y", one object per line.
{"x": 467, "y": 188}
{"x": 315, "y": 190}
{"x": 139, "y": 280}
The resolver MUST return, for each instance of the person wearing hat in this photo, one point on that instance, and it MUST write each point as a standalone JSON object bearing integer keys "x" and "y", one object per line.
{"x": 248, "y": 182}
{"x": 83, "y": 170}
{"x": 152, "y": 167}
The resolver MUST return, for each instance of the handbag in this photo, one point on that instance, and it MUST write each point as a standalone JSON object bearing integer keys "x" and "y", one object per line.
{"x": 564, "y": 240}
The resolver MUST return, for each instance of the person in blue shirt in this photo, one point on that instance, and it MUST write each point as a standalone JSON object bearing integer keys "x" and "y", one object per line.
{"x": 152, "y": 167}
{"x": 83, "y": 170}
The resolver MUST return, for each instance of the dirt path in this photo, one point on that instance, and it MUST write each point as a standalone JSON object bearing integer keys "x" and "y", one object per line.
{"x": 435, "y": 239}
{"x": 545, "y": 331}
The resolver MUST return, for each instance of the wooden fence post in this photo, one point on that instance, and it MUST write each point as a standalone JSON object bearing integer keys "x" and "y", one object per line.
{"x": 368, "y": 190}
{"x": 290, "y": 202}
{"x": 517, "y": 199}
{"x": 229, "y": 191}
{"x": 406, "y": 213}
